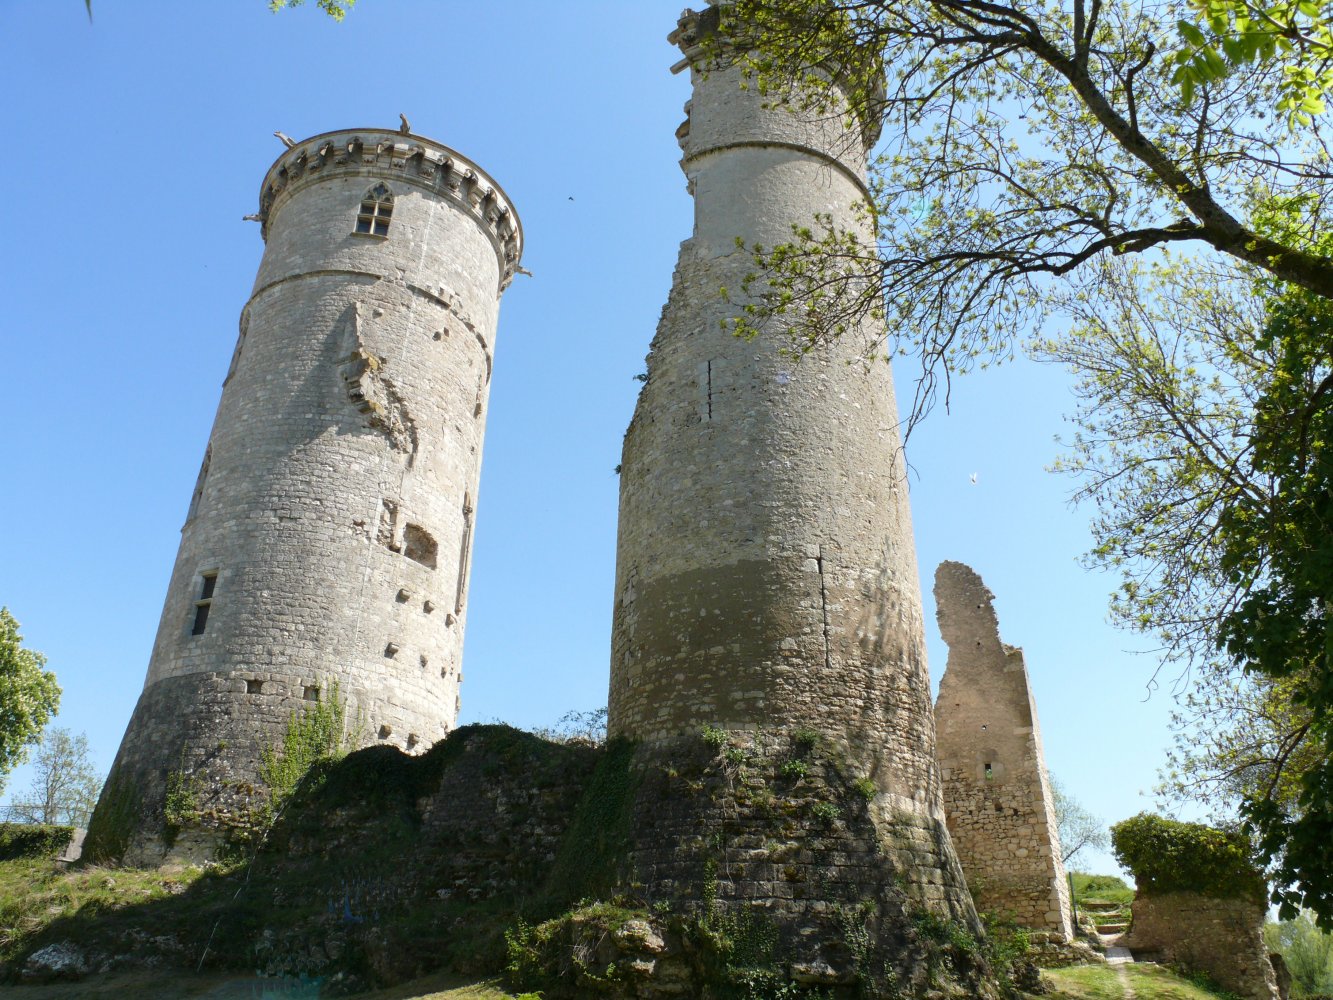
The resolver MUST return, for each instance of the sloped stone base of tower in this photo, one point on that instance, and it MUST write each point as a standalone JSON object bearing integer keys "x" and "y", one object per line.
{"x": 186, "y": 781}
{"x": 759, "y": 863}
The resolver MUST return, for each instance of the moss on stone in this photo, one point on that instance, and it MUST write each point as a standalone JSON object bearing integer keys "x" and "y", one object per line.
{"x": 114, "y": 822}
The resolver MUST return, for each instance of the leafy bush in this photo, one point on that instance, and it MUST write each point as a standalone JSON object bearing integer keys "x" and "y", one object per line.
{"x": 1166, "y": 855}
{"x": 826, "y": 813}
{"x": 20, "y": 840}
{"x": 315, "y": 734}
{"x": 805, "y": 738}
{"x": 576, "y": 727}
{"x": 794, "y": 769}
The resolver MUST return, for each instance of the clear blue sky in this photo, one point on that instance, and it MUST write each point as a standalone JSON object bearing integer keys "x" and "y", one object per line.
{"x": 138, "y": 142}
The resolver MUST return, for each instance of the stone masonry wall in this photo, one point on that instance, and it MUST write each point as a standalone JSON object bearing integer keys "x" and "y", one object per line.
{"x": 329, "y": 537}
{"x": 997, "y": 794}
{"x": 1220, "y": 937}
{"x": 766, "y": 578}
{"x": 766, "y": 574}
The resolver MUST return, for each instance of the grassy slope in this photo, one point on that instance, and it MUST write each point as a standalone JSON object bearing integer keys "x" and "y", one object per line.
{"x": 1106, "y": 888}
{"x": 1149, "y": 982}
{"x": 1099, "y": 982}
{"x": 33, "y": 893}
{"x": 162, "y": 986}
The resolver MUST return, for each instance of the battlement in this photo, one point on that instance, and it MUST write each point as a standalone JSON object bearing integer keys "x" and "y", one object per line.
{"x": 412, "y": 158}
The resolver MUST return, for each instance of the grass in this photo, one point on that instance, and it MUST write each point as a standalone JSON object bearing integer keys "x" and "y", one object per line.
{"x": 183, "y": 986}
{"x": 35, "y": 892}
{"x": 1101, "y": 889}
{"x": 1088, "y": 982}
{"x": 1100, "y": 982}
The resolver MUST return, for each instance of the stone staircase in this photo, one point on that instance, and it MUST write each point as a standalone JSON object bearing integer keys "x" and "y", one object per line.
{"x": 1111, "y": 919}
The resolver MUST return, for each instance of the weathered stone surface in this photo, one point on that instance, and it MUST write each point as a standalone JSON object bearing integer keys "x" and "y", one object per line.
{"x": 997, "y": 793}
{"x": 62, "y": 960}
{"x": 1220, "y": 937}
{"x": 328, "y": 539}
{"x": 766, "y": 578}
{"x": 770, "y": 828}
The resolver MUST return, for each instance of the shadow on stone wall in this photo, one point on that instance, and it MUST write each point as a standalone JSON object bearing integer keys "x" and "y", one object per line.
{"x": 383, "y": 867}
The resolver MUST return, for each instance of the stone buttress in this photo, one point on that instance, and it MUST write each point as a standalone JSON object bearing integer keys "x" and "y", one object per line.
{"x": 997, "y": 793}
{"x": 327, "y": 544}
{"x": 766, "y": 578}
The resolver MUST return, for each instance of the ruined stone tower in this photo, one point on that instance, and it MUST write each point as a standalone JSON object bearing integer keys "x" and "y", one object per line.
{"x": 328, "y": 540}
{"x": 766, "y": 579}
{"x": 997, "y": 793}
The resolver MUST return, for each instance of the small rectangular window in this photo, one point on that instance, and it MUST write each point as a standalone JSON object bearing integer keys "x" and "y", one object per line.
{"x": 207, "y": 583}
{"x": 376, "y": 211}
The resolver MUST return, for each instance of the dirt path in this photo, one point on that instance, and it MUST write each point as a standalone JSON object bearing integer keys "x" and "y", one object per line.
{"x": 1122, "y": 974}
{"x": 1118, "y": 957}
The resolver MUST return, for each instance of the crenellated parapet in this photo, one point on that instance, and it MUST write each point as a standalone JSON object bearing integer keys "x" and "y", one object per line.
{"x": 418, "y": 161}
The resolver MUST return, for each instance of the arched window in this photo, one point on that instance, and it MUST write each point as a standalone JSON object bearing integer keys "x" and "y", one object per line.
{"x": 376, "y": 211}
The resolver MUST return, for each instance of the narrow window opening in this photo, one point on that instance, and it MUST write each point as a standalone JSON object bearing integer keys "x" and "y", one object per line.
{"x": 310, "y": 693}
{"x": 990, "y": 771}
{"x": 204, "y": 603}
{"x": 376, "y": 212}
{"x": 254, "y": 687}
{"x": 710, "y": 390}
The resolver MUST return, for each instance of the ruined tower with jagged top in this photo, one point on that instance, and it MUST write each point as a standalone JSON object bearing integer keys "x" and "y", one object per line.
{"x": 766, "y": 583}
{"x": 326, "y": 547}
{"x": 997, "y": 791}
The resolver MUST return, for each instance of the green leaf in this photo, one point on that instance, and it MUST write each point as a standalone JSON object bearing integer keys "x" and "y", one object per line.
{"x": 1191, "y": 33}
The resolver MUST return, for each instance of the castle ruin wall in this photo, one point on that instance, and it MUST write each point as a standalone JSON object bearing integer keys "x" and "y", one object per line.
{"x": 997, "y": 793}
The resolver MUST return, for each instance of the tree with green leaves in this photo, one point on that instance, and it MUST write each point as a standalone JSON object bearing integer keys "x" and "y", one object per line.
{"x": 336, "y": 9}
{"x": 1205, "y": 412}
{"x": 1024, "y": 143}
{"x": 1034, "y": 151}
{"x": 29, "y": 696}
{"x": 1079, "y": 829}
{"x": 1306, "y": 950}
{"x": 1279, "y": 555}
{"x": 1225, "y": 36}
{"x": 64, "y": 785}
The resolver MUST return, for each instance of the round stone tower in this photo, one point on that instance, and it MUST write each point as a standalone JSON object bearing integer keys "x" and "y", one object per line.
{"x": 766, "y": 574}
{"x": 326, "y": 548}
{"x": 766, "y": 585}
